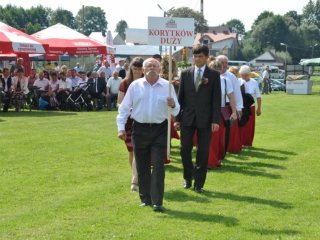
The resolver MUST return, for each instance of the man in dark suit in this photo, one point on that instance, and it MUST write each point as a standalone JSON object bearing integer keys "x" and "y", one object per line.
{"x": 5, "y": 84}
{"x": 97, "y": 89}
{"x": 200, "y": 103}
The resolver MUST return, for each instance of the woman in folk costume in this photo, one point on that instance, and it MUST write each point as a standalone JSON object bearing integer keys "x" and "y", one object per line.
{"x": 217, "y": 144}
{"x": 134, "y": 73}
{"x": 251, "y": 87}
{"x": 234, "y": 143}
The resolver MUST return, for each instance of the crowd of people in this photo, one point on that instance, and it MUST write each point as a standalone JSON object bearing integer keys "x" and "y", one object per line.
{"x": 198, "y": 101}
{"x": 203, "y": 90}
{"x": 61, "y": 87}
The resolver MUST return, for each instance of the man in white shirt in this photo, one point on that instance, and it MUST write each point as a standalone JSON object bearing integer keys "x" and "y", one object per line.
{"x": 113, "y": 89}
{"x": 41, "y": 83}
{"x": 146, "y": 101}
{"x": 74, "y": 78}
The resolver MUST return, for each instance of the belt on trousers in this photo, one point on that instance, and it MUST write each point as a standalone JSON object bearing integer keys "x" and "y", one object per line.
{"x": 149, "y": 124}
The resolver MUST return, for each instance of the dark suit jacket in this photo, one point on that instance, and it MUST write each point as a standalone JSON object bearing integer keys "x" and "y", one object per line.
{"x": 9, "y": 82}
{"x": 102, "y": 86}
{"x": 201, "y": 108}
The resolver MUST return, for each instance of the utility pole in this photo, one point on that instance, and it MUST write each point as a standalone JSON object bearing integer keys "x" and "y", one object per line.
{"x": 201, "y": 10}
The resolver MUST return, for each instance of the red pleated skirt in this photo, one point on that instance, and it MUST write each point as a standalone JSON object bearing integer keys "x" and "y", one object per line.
{"x": 247, "y": 131}
{"x": 235, "y": 144}
{"x": 217, "y": 147}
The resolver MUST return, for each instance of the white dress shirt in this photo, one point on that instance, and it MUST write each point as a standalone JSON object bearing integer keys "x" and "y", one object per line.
{"x": 236, "y": 89}
{"x": 67, "y": 84}
{"x": 42, "y": 84}
{"x": 146, "y": 103}
{"x": 225, "y": 83}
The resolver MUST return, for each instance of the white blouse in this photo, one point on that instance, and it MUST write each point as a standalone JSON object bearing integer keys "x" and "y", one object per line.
{"x": 224, "y": 82}
{"x": 251, "y": 87}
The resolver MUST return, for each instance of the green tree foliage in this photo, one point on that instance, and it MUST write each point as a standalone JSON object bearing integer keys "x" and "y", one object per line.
{"x": 64, "y": 17}
{"x": 264, "y": 15}
{"x": 94, "y": 20}
{"x": 39, "y": 15}
{"x": 272, "y": 30}
{"x": 311, "y": 13}
{"x": 14, "y": 16}
{"x": 235, "y": 25}
{"x": 121, "y": 28}
{"x": 295, "y": 16}
{"x": 201, "y": 24}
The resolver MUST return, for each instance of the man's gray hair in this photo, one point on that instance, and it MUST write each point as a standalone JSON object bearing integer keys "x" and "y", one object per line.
{"x": 222, "y": 58}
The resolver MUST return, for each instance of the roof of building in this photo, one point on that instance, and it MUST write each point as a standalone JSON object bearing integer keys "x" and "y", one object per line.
{"x": 215, "y": 37}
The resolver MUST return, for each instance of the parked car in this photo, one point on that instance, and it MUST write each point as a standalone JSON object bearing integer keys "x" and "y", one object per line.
{"x": 277, "y": 85}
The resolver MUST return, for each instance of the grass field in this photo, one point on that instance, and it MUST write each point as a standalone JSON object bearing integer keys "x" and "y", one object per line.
{"x": 66, "y": 176}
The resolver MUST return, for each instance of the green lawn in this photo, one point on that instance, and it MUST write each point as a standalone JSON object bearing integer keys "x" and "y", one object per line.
{"x": 66, "y": 176}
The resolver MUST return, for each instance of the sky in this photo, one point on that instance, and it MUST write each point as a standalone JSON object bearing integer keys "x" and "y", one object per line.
{"x": 136, "y": 12}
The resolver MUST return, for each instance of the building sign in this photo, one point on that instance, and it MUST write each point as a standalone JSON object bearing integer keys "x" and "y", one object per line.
{"x": 171, "y": 31}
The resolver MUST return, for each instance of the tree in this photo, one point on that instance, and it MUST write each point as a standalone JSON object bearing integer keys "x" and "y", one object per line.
{"x": 295, "y": 16}
{"x": 236, "y": 26}
{"x": 201, "y": 24}
{"x": 262, "y": 16}
{"x": 14, "y": 16}
{"x": 39, "y": 15}
{"x": 121, "y": 28}
{"x": 311, "y": 13}
{"x": 94, "y": 20}
{"x": 64, "y": 17}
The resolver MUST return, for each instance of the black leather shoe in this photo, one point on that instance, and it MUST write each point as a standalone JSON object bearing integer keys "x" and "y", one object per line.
{"x": 158, "y": 208}
{"x": 145, "y": 204}
{"x": 187, "y": 184}
{"x": 198, "y": 189}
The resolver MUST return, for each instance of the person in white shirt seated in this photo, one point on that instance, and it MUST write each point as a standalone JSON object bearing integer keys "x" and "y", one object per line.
{"x": 19, "y": 89}
{"x": 41, "y": 83}
{"x": 74, "y": 78}
{"x": 65, "y": 88}
{"x": 113, "y": 90}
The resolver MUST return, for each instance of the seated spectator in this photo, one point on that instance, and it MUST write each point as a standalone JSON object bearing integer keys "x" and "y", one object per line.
{"x": 82, "y": 79}
{"x": 32, "y": 77}
{"x": 19, "y": 89}
{"x": 74, "y": 78}
{"x": 65, "y": 88}
{"x": 97, "y": 89}
{"x": 41, "y": 83}
{"x": 53, "y": 90}
{"x": 113, "y": 89}
{"x": 5, "y": 86}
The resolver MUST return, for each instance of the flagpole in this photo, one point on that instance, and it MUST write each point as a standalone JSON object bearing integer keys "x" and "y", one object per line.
{"x": 169, "y": 110}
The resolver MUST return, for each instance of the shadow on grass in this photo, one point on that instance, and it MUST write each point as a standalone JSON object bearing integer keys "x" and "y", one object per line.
{"x": 173, "y": 168}
{"x": 246, "y": 171}
{"x": 256, "y": 164}
{"x": 254, "y": 200}
{"x": 201, "y": 217}
{"x": 264, "y": 154}
{"x": 180, "y": 196}
{"x": 274, "y": 232}
{"x": 37, "y": 114}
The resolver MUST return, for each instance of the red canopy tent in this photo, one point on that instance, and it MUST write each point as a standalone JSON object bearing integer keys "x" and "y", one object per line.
{"x": 13, "y": 41}
{"x": 64, "y": 40}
